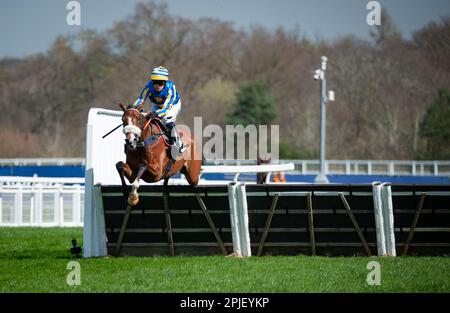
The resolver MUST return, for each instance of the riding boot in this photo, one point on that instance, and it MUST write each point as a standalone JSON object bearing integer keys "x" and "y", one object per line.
{"x": 175, "y": 138}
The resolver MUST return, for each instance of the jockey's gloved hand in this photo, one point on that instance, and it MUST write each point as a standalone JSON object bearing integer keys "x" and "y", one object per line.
{"x": 151, "y": 115}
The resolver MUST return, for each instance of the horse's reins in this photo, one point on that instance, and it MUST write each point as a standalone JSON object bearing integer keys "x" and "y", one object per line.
{"x": 169, "y": 166}
{"x": 145, "y": 126}
{"x": 144, "y": 142}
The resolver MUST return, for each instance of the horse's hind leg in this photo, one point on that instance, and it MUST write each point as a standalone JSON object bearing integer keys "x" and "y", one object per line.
{"x": 133, "y": 198}
{"x": 120, "y": 166}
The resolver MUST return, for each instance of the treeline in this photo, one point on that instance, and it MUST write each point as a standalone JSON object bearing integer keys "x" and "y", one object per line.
{"x": 384, "y": 86}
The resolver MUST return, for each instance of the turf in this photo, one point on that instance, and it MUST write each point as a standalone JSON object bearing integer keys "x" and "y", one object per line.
{"x": 35, "y": 260}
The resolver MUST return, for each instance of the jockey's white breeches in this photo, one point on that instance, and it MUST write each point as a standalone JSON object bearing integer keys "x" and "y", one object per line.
{"x": 171, "y": 115}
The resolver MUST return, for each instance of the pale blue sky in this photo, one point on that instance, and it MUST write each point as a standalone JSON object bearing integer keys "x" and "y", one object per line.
{"x": 30, "y": 26}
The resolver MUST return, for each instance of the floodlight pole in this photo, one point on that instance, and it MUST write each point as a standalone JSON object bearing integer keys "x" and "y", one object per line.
{"x": 320, "y": 74}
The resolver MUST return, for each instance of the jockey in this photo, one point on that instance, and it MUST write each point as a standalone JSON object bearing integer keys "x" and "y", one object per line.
{"x": 165, "y": 102}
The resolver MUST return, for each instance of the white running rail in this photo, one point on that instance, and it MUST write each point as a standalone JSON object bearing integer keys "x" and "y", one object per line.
{"x": 304, "y": 167}
{"x": 41, "y": 204}
{"x": 359, "y": 167}
{"x": 14, "y": 180}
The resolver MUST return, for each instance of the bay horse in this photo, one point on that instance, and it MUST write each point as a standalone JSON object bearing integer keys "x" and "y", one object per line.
{"x": 148, "y": 155}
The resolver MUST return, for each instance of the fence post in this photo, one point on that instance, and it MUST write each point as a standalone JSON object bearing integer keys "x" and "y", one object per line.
{"x": 98, "y": 225}
{"x": 347, "y": 167}
{"x": 234, "y": 220}
{"x": 57, "y": 206}
{"x": 388, "y": 218}
{"x": 1, "y": 204}
{"x": 76, "y": 209}
{"x": 391, "y": 168}
{"x": 32, "y": 206}
{"x": 379, "y": 224}
{"x": 239, "y": 219}
{"x": 38, "y": 205}
{"x": 18, "y": 206}
{"x": 243, "y": 223}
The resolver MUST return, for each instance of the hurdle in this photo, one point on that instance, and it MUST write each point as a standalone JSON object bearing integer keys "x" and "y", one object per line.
{"x": 247, "y": 219}
{"x": 101, "y": 157}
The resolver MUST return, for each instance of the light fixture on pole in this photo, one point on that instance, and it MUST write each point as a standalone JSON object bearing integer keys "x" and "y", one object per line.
{"x": 320, "y": 75}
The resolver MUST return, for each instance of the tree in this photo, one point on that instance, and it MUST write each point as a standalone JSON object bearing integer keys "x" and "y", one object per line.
{"x": 254, "y": 105}
{"x": 435, "y": 127}
{"x": 385, "y": 85}
{"x": 215, "y": 99}
{"x": 432, "y": 40}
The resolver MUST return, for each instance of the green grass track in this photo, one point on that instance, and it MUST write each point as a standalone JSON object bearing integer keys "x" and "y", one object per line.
{"x": 35, "y": 260}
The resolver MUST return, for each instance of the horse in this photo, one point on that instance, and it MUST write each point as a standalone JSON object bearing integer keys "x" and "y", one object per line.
{"x": 148, "y": 155}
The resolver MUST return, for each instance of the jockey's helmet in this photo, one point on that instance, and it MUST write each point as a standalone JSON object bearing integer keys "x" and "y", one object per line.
{"x": 160, "y": 73}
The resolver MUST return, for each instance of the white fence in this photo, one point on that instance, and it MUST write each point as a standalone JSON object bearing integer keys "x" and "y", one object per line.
{"x": 376, "y": 167}
{"x": 41, "y": 204}
{"x": 359, "y": 167}
{"x": 304, "y": 167}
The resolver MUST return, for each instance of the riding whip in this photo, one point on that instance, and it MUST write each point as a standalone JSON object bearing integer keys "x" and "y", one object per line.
{"x": 112, "y": 130}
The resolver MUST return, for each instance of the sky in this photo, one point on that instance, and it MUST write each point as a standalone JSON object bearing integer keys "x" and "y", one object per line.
{"x": 31, "y": 26}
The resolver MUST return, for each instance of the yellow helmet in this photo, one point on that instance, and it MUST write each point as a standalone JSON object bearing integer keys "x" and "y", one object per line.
{"x": 160, "y": 73}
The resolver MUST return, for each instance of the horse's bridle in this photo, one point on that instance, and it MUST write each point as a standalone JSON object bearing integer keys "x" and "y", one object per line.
{"x": 137, "y": 131}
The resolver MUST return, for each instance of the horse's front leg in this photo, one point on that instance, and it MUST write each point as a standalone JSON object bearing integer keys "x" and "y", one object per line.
{"x": 133, "y": 199}
{"x": 123, "y": 170}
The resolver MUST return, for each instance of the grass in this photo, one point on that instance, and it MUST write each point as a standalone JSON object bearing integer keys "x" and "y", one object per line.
{"x": 35, "y": 260}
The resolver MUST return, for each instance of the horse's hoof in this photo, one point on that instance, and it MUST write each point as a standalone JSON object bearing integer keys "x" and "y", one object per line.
{"x": 133, "y": 200}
